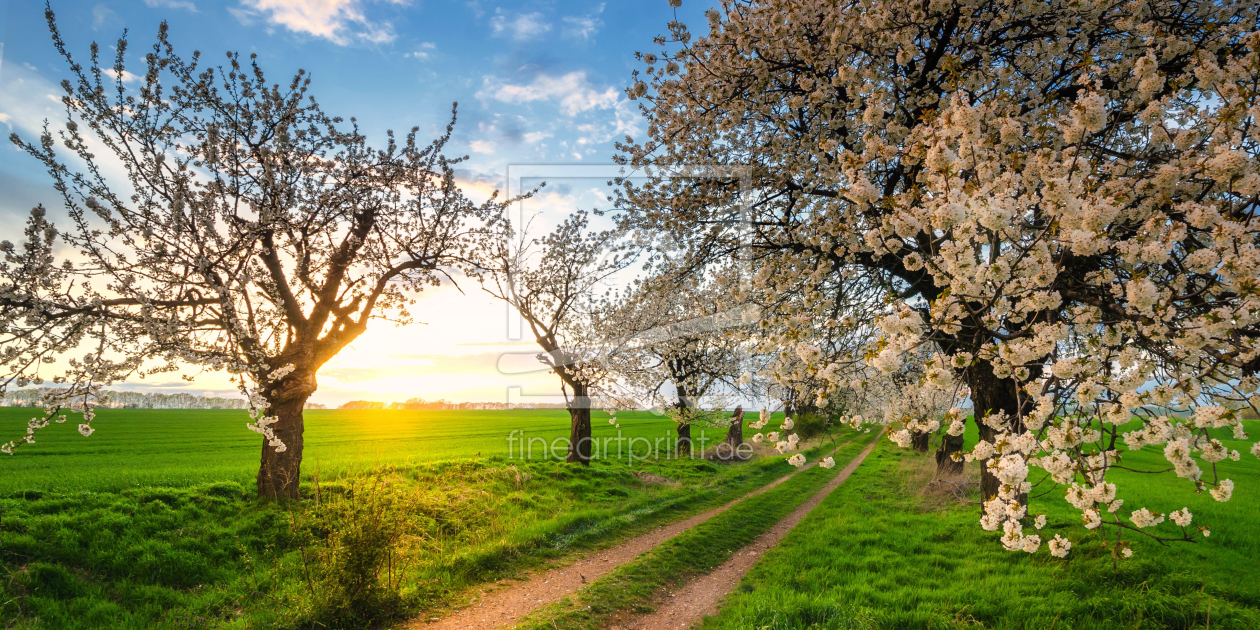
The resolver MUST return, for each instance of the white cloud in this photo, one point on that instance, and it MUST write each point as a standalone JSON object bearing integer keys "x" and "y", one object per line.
{"x": 4, "y": 118}
{"x": 127, "y": 76}
{"x": 481, "y": 146}
{"x": 523, "y": 27}
{"x": 423, "y": 53}
{"x": 339, "y": 21}
{"x": 584, "y": 27}
{"x": 535, "y": 136}
{"x": 100, "y": 13}
{"x": 572, "y": 91}
{"x": 171, "y": 4}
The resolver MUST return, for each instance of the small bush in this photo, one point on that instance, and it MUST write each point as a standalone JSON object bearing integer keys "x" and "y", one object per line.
{"x": 351, "y": 548}
{"x": 809, "y": 425}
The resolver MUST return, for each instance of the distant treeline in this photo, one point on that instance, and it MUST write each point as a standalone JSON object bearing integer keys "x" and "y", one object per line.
{"x": 420, "y": 403}
{"x": 136, "y": 400}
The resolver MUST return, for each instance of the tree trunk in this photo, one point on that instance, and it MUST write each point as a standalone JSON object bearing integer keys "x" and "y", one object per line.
{"x": 945, "y": 464}
{"x": 990, "y": 395}
{"x": 729, "y": 448}
{"x": 279, "y": 474}
{"x": 683, "y": 445}
{"x": 921, "y": 441}
{"x": 580, "y": 427}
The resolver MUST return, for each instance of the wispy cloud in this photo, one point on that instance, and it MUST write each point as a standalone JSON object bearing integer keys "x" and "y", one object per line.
{"x": 339, "y": 21}
{"x": 127, "y": 76}
{"x": 520, "y": 27}
{"x": 100, "y": 13}
{"x": 425, "y": 51}
{"x": 171, "y": 4}
{"x": 572, "y": 91}
{"x": 584, "y": 27}
{"x": 481, "y": 146}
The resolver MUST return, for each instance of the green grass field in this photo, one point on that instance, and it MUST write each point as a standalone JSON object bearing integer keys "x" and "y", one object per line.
{"x": 882, "y": 553}
{"x": 174, "y": 448}
{"x": 150, "y": 522}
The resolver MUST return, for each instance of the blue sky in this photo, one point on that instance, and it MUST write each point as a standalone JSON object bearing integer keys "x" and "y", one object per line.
{"x": 538, "y": 83}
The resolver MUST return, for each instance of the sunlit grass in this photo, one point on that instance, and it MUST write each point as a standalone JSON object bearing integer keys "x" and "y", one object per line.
{"x": 167, "y": 447}
{"x": 123, "y": 532}
{"x": 880, "y": 553}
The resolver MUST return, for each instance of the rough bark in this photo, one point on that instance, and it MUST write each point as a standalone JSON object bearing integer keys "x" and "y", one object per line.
{"x": 729, "y": 448}
{"x": 990, "y": 395}
{"x": 945, "y": 464}
{"x": 279, "y": 474}
{"x": 580, "y": 427}
{"x": 735, "y": 434}
{"x": 921, "y": 441}
{"x": 683, "y": 445}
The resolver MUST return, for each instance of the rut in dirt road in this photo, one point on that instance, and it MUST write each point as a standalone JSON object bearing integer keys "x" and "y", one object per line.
{"x": 700, "y": 598}
{"x": 504, "y": 607}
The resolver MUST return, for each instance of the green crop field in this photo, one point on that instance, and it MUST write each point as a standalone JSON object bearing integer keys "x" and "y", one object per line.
{"x": 179, "y": 448}
{"x": 151, "y": 521}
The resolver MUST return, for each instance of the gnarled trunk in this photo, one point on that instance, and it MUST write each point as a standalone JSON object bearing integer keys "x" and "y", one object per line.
{"x": 990, "y": 395}
{"x": 683, "y": 445}
{"x": 580, "y": 426}
{"x": 921, "y": 441}
{"x": 280, "y": 473}
{"x": 945, "y": 464}
{"x": 729, "y": 448}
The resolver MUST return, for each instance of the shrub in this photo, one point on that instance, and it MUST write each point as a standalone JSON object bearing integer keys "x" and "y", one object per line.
{"x": 810, "y": 424}
{"x": 350, "y": 542}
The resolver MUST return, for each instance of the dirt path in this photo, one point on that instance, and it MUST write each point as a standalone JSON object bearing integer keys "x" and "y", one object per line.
{"x": 506, "y": 605}
{"x": 700, "y": 598}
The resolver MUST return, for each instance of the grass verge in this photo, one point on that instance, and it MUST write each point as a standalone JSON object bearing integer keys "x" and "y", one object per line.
{"x": 881, "y": 552}
{"x": 634, "y": 586}
{"x": 210, "y": 556}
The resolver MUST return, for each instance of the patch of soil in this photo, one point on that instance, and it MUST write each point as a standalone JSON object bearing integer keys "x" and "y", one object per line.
{"x": 653, "y": 479}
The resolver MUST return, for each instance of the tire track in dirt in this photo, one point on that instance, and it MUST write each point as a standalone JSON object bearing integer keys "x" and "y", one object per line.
{"x": 701, "y": 597}
{"x": 505, "y": 606}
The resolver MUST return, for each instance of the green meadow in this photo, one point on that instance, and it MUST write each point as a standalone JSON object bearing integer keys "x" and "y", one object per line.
{"x": 886, "y": 551}
{"x": 179, "y": 448}
{"x": 151, "y": 521}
